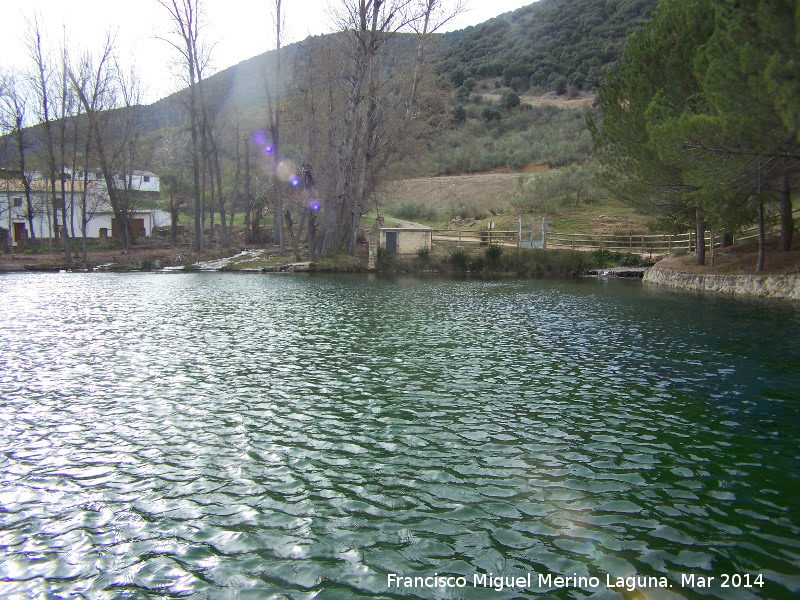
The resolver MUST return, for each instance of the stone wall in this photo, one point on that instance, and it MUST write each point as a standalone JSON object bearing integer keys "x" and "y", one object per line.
{"x": 764, "y": 286}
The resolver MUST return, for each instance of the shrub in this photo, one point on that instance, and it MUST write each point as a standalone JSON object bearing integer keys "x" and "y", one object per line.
{"x": 572, "y": 263}
{"x": 459, "y": 114}
{"x": 605, "y": 258}
{"x": 413, "y": 210}
{"x": 537, "y": 262}
{"x": 386, "y": 261}
{"x": 631, "y": 259}
{"x": 465, "y": 211}
{"x": 550, "y": 191}
{"x": 493, "y": 254}
{"x": 535, "y": 135}
{"x": 459, "y": 259}
{"x": 107, "y": 245}
{"x": 510, "y": 100}
{"x": 491, "y": 114}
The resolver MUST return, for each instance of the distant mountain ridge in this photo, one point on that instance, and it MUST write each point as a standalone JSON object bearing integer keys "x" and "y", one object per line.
{"x": 545, "y": 46}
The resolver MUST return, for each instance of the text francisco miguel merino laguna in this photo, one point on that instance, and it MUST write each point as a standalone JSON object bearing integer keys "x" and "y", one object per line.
{"x": 499, "y": 583}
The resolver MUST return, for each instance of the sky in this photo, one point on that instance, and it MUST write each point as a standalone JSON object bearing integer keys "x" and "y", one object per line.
{"x": 240, "y": 29}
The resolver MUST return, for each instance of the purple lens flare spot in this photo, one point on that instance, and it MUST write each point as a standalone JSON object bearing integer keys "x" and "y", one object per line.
{"x": 259, "y": 138}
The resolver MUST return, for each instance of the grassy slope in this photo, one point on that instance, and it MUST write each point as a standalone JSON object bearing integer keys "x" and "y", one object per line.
{"x": 490, "y": 196}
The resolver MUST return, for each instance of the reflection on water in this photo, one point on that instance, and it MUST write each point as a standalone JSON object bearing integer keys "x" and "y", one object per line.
{"x": 224, "y": 436}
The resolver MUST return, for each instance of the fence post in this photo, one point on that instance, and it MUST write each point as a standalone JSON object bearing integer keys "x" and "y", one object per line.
{"x": 712, "y": 247}
{"x": 544, "y": 234}
{"x": 601, "y": 241}
{"x": 669, "y": 244}
{"x": 573, "y": 241}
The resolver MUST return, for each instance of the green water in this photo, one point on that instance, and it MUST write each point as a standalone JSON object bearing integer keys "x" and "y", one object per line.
{"x": 231, "y": 436}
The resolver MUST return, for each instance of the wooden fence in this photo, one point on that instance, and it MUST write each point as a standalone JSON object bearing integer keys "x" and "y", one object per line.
{"x": 655, "y": 244}
{"x": 476, "y": 236}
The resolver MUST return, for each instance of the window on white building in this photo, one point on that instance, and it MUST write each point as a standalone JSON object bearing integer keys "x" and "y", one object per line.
{"x": 17, "y": 201}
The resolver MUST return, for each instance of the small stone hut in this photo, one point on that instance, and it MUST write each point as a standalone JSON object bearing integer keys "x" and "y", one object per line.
{"x": 405, "y": 240}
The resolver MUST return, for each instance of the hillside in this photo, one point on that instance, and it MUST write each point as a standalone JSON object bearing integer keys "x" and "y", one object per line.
{"x": 483, "y": 197}
{"x": 547, "y": 46}
{"x": 541, "y": 47}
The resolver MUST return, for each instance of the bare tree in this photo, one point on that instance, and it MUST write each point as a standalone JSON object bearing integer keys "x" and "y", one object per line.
{"x": 435, "y": 15}
{"x": 272, "y": 86}
{"x": 13, "y": 108}
{"x": 173, "y": 173}
{"x": 102, "y": 87}
{"x": 42, "y": 81}
{"x": 185, "y": 18}
{"x": 377, "y": 115}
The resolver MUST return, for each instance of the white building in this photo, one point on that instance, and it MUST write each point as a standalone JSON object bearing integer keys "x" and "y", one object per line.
{"x": 15, "y": 217}
{"x": 141, "y": 181}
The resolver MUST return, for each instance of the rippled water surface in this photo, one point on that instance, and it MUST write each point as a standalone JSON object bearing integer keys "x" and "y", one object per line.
{"x": 226, "y": 436}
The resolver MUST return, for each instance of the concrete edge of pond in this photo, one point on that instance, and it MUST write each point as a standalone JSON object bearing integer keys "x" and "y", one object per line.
{"x": 763, "y": 286}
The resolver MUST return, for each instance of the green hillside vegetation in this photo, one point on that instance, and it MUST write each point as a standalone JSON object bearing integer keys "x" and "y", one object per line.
{"x": 547, "y": 46}
{"x": 513, "y": 139}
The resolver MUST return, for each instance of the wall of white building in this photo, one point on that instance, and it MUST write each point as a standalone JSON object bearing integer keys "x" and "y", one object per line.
{"x": 13, "y": 215}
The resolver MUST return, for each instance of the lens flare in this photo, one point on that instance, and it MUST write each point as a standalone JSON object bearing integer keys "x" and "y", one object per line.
{"x": 315, "y": 206}
{"x": 268, "y": 150}
{"x": 287, "y": 171}
{"x": 295, "y": 180}
{"x": 259, "y": 138}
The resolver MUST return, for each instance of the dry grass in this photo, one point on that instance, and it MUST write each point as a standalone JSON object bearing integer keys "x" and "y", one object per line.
{"x": 740, "y": 260}
{"x": 491, "y": 194}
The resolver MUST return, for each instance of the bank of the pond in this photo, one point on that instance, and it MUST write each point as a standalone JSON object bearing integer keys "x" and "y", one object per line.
{"x": 478, "y": 260}
{"x": 733, "y": 271}
{"x": 765, "y": 286}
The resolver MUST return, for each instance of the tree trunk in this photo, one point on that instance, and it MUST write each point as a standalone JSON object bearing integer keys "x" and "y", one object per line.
{"x": 761, "y": 233}
{"x": 211, "y": 209}
{"x": 290, "y": 226}
{"x": 700, "y": 248}
{"x": 312, "y": 234}
{"x": 727, "y": 238}
{"x": 225, "y": 240}
{"x": 248, "y": 203}
{"x": 26, "y": 184}
{"x": 787, "y": 223}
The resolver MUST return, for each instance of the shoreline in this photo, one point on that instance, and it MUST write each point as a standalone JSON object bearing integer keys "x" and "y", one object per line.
{"x": 784, "y": 287}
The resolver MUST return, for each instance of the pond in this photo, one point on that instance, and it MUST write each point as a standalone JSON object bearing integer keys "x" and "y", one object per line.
{"x": 225, "y": 436}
